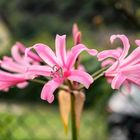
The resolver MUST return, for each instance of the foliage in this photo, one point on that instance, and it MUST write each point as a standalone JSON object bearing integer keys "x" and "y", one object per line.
{"x": 41, "y": 122}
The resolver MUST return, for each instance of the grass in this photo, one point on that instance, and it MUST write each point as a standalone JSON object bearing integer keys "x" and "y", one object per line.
{"x": 39, "y": 122}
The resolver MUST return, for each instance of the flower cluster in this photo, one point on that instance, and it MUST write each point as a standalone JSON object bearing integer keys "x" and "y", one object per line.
{"x": 62, "y": 67}
{"x": 14, "y": 69}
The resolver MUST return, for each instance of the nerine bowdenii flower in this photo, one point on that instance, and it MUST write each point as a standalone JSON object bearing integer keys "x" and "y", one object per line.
{"x": 125, "y": 68}
{"x": 59, "y": 66}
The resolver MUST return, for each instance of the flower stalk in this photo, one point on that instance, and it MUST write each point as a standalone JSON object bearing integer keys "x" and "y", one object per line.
{"x": 73, "y": 118}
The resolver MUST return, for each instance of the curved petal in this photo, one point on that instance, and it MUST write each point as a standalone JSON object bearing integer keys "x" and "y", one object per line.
{"x": 8, "y": 77}
{"x": 81, "y": 77}
{"x": 10, "y": 65}
{"x": 16, "y": 53}
{"x": 74, "y": 53}
{"x": 60, "y": 47}
{"x": 118, "y": 81}
{"x": 107, "y": 62}
{"x": 22, "y": 85}
{"x": 113, "y": 67}
{"x": 32, "y": 55}
{"x": 46, "y": 54}
{"x": 48, "y": 89}
{"x": 108, "y": 53}
{"x": 39, "y": 70}
{"x": 21, "y": 47}
{"x": 125, "y": 42}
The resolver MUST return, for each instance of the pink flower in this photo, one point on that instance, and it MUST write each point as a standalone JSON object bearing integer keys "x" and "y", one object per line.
{"x": 59, "y": 66}
{"x": 124, "y": 69}
{"x": 16, "y": 68}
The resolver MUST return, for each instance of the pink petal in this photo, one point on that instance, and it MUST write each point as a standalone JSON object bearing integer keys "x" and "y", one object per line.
{"x": 109, "y": 79}
{"x": 109, "y": 53}
{"x": 134, "y": 80}
{"x": 125, "y": 42}
{"x": 81, "y": 68}
{"x": 133, "y": 75}
{"x": 81, "y": 77}
{"x": 39, "y": 70}
{"x": 48, "y": 90}
{"x": 45, "y": 53}
{"x": 60, "y": 47}
{"x": 133, "y": 58}
{"x": 8, "y": 80}
{"x": 8, "y": 77}
{"x": 22, "y": 85}
{"x": 5, "y": 86}
{"x": 21, "y": 47}
{"x": 10, "y": 65}
{"x": 107, "y": 62}
{"x": 32, "y": 55}
{"x": 137, "y": 42}
{"x": 135, "y": 69}
{"x": 110, "y": 74}
{"x": 114, "y": 67}
{"x": 118, "y": 81}
{"x": 16, "y": 53}
{"x": 74, "y": 53}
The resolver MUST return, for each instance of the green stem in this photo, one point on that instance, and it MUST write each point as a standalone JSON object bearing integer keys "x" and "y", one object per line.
{"x": 38, "y": 81}
{"x": 99, "y": 71}
{"x": 96, "y": 75}
{"x": 73, "y": 118}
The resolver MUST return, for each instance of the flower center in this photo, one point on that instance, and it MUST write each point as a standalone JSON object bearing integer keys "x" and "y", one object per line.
{"x": 56, "y": 72}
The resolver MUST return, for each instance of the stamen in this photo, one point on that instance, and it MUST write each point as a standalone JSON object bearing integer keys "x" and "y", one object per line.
{"x": 56, "y": 72}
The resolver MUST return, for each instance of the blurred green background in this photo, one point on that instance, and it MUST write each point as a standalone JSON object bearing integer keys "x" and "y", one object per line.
{"x": 37, "y": 21}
